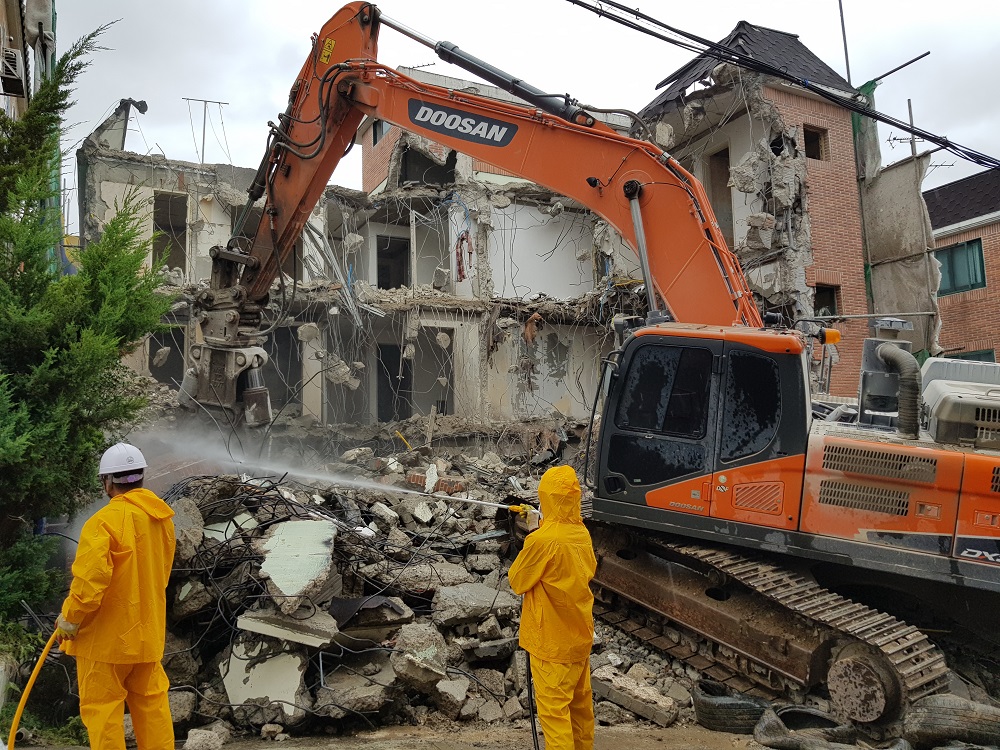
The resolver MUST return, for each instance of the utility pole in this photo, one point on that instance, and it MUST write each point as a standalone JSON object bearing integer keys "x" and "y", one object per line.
{"x": 204, "y": 119}
{"x": 843, "y": 33}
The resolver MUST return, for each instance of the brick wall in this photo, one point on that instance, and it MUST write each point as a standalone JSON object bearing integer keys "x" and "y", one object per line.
{"x": 831, "y": 193}
{"x": 375, "y": 159}
{"x": 969, "y": 319}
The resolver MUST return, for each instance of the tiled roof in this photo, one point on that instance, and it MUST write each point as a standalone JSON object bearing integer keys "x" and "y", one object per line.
{"x": 776, "y": 48}
{"x": 961, "y": 200}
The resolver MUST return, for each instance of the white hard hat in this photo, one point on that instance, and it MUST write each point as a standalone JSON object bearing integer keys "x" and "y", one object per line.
{"x": 122, "y": 458}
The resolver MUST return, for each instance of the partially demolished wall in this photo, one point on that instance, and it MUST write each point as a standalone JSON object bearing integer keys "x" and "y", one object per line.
{"x": 794, "y": 219}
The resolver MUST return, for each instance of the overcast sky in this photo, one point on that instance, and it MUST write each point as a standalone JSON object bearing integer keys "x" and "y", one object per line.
{"x": 247, "y": 53}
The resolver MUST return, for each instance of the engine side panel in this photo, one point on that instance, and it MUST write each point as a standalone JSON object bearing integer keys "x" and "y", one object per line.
{"x": 887, "y": 494}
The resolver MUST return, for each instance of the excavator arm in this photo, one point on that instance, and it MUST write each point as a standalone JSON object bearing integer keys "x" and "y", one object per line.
{"x": 659, "y": 209}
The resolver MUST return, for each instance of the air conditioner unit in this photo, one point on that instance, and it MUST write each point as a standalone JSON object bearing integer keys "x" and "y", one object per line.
{"x": 11, "y": 72}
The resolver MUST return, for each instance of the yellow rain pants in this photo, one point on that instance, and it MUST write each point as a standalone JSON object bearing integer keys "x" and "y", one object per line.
{"x": 553, "y": 572}
{"x": 118, "y": 597}
{"x": 565, "y": 704}
{"x": 107, "y": 687}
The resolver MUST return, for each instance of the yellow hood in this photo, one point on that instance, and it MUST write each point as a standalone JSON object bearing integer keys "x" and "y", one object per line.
{"x": 559, "y": 495}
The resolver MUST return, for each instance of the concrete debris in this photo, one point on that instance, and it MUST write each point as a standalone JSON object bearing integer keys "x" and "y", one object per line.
{"x": 420, "y": 657}
{"x": 264, "y": 682}
{"x": 313, "y": 629}
{"x": 299, "y": 605}
{"x": 202, "y": 739}
{"x": 640, "y": 699}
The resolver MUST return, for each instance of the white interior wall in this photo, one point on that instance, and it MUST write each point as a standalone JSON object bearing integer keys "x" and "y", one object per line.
{"x": 530, "y": 251}
{"x": 565, "y": 368}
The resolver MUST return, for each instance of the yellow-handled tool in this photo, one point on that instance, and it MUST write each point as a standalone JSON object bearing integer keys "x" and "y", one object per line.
{"x": 531, "y": 515}
{"x": 27, "y": 691}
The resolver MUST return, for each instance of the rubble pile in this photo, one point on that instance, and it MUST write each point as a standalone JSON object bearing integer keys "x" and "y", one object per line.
{"x": 373, "y": 598}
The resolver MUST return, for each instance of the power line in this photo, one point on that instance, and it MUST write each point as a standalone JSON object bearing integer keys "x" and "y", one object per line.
{"x": 723, "y": 53}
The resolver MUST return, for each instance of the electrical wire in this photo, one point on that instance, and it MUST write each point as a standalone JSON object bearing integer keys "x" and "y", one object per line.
{"x": 723, "y": 53}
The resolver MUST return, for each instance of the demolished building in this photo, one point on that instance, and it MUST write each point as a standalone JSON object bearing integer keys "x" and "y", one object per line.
{"x": 778, "y": 162}
{"x": 450, "y": 289}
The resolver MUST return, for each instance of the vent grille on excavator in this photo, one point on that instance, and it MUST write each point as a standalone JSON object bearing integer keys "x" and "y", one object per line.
{"x": 763, "y": 498}
{"x": 861, "y": 497}
{"x": 995, "y": 485}
{"x": 876, "y": 463}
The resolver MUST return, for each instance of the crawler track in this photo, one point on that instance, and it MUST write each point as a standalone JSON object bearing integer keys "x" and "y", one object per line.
{"x": 762, "y": 627}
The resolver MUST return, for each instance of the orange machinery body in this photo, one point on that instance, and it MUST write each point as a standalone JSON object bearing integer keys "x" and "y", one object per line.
{"x": 707, "y": 432}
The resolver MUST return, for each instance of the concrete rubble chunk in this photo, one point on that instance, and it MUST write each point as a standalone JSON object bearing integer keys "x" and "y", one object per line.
{"x": 298, "y": 560}
{"x": 180, "y": 661}
{"x": 490, "y": 711}
{"x": 190, "y": 596}
{"x": 357, "y": 455}
{"x": 385, "y": 516}
{"x": 513, "y": 709}
{"x": 645, "y": 701}
{"x": 640, "y": 673}
{"x": 202, "y": 739}
{"x": 189, "y": 530}
{"x": 314, "y": 628}
{"x": 421, "y": 656}
{"x": 471, "y": 708}
{"x": 358, "y": 684}
{"x": 489, "y": 629}
{"x": 517, "y": 674}
{"x": 267, "y": 679}
{"x": 483, "y": 563}
{"x": 499, "y": 649}
{"x": 182, "y": 705}
{"x": 490, "y": 682}
{"x": 451, "y": 695}
{"x": 468, "y": 602}
{"x": 418, "y": 578}
{"x": 271, "y": 731}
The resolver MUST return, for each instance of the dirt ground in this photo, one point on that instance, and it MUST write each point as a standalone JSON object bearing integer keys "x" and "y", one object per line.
{"x": 678, "y": 737}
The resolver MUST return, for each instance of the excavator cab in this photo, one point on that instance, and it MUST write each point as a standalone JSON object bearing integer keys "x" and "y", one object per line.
{"x": 703, "y": 422}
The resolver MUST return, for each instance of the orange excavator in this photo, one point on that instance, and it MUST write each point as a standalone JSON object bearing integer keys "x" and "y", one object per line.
{"x": 753, "y": 537}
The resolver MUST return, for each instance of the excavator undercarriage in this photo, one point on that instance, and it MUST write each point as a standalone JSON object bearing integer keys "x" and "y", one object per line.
{"x": 763, "y": 628}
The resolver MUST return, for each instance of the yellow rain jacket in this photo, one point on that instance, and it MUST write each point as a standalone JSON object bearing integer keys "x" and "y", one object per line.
{"x": 118, "y": 594}
{"x": 553, "y": 572}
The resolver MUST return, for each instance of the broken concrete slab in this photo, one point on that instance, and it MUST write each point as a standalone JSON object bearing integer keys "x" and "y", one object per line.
{"x": 358, "y": 684}
{"x": 191, "y": 596}
{"x": 298, "y": 559}
{"x": 451, "y": 695}
{"x": 489, "y": 629}
{"x": 420, "y": 658}
{"x": 267, "y": 679}
{"x": 499, "y": 649}
{"x": 645, "y": 701}
{"x": 417, "y": 578}
{"x": 469, "y": 602}
{"x": 314, "y": 628}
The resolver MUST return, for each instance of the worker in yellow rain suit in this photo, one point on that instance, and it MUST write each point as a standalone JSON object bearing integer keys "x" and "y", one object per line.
{"x": 114, "y": 619}
{"x": 553, "y": 572}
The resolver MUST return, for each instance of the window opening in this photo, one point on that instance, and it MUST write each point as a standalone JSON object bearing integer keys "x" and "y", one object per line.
{"x": 961, "y": 267}
{"x": 170, "y": 223}
{"x": 393, "y": 262}
{"x": 720, "y": 194}
{"x": 395, "y": 384}
{"x": 817, "y": 143}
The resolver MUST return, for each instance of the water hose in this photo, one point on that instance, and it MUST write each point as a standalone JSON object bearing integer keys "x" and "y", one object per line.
{"x": 27, "y": 691}
{"x": 531, "y": 700}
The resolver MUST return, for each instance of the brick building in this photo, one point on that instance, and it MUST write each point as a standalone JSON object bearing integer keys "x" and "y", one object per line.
{"x": 778, "y": 162}
{"x": 965, "y": 216}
